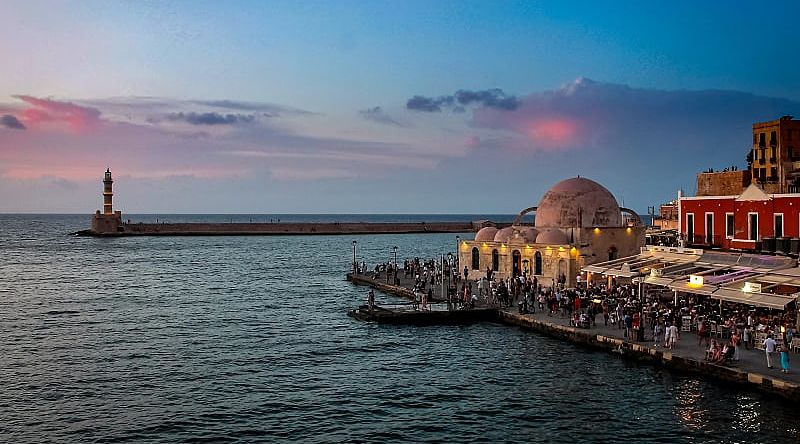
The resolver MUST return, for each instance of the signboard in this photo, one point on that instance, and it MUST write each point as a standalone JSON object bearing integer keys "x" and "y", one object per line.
{"x": 656, "y": 272}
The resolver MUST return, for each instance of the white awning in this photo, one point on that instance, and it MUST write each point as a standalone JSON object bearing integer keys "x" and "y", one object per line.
{"x": 765, "y": 300}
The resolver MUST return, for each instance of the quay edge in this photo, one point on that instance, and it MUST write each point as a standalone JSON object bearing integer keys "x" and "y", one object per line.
{"x": 633, "y": 351}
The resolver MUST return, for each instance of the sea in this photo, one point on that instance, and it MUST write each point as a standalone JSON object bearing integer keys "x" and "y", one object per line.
{"x": 246, "y": 339}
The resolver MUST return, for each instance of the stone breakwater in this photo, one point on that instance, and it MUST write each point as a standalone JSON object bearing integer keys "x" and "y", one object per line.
{"x": 284, "y": 228}
{"x": 686, "y": 358}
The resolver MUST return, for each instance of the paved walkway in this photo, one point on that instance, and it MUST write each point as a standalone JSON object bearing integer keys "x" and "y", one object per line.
{"x": 752, "y": 361}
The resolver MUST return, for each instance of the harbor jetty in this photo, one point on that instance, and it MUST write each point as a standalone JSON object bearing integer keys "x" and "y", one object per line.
{"x": 687, "y": 357}
{"x": 109, "y": 223}
{"x": 279, "y": 228}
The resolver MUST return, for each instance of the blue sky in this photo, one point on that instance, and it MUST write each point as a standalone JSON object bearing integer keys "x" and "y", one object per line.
{"x": 307, "y": 106}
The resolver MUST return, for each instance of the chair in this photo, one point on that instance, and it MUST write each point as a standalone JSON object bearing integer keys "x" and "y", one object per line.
{"x": 795, "y": 345}
{"x": 714, "y": 330}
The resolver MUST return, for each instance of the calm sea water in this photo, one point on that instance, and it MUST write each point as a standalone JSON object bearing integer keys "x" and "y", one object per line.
{"x": 240, "y": 339}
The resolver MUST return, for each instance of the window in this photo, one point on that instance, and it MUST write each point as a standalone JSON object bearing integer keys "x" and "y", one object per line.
{"x": 690, "y": 228}
{"x": 729, "y": 227}
{"x": 773, "y": 173}
{"x": 537, "y": 263}
{"x": 709, "y": 228}
{"x": 752, "y": 226}
{"x": 779, "y": 225}
{"x": 772, "y": 156}
{"x": 495, "y": 260}
{"x": 476, "y": 259}
{"x": 762, "y": 139}
{"x": 773, "y": 138}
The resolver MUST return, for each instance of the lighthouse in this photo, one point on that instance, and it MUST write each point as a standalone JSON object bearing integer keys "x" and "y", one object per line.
{"x": 108, "y": 195}
{"x": 109, "y": 222}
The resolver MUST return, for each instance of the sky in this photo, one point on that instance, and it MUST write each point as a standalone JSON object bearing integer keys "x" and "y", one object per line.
{"x": 380, "y": 106}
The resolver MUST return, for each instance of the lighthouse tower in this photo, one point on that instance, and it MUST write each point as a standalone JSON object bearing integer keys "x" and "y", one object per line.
{"x": 107, "y": 193}
{"x": 109, "y": 221}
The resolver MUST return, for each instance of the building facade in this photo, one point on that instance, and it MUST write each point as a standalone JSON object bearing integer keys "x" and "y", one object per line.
{"x": 577, "y": 222}
{"x": 775, "y": 159}
{"x": 752, "y": 220}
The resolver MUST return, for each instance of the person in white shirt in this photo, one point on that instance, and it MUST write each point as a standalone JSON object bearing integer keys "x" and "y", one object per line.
{"x": 769, "y": 349}
{"x": 671, "y": 336}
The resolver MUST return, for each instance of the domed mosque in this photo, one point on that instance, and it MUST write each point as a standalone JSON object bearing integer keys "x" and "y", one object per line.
{"x": 577, "y": 223}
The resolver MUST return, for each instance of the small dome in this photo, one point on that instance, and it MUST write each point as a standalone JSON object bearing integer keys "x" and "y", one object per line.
{"x": 485, "y": 234}
{"x": 504, "y": 234}
{"x": 552, "y": 236}
{"x": 578, "y": 202}
{"x": 526, "y": 235}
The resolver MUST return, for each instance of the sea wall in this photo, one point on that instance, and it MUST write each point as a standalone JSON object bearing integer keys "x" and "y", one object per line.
{"x": 282, "y": 228}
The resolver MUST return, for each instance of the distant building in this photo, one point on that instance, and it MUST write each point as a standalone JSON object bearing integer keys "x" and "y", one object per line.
{"x": 667, "y": 218}
{"x": 776, "y": 155}
{"x": 578, "y": 222}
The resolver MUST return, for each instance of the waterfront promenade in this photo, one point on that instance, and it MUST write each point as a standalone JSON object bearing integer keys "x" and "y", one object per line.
{"x": 687, "y": 356}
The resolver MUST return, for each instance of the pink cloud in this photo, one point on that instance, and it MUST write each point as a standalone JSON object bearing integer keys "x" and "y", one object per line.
{"x": 47, "y": 112}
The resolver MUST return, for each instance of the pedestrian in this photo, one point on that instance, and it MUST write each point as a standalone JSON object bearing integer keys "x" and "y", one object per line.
{"x": 746, "y": 337}
{"x": 371, "y": 299}
{"x": 702, "y": 333}
{"x": 769, "y": 349}
{"x": 736, "y": 340}
{"x": 628, "y": 326}
{"x": 657, "y": 334}
{"x": 672, "y": 331}
{"x": 784, "y": 359}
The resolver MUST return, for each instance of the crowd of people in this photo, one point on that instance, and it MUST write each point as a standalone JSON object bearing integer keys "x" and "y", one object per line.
{"x": 723, "y": 328}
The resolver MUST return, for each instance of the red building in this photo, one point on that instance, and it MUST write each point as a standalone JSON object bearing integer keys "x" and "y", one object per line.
{"x": 753, "y": 220}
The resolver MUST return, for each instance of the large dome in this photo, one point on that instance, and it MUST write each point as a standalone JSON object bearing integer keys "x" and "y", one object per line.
{"x": 578, "y": 202}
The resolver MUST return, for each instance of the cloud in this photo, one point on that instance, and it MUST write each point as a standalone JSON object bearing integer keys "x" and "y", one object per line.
{"x": 12, "y": 122}
{"x": 211, "y": 118}
{"x": 490, "y": 98}
{"x": 52, "y": 112}
{"x": 587, "y": 114}
{"x": 377, "y": 114}
{"x": 429, "y": 104}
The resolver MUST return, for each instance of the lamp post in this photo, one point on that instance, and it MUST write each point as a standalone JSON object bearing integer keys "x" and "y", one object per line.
{"x": 395, "y": 264}
{"x": 449, "y": 273}
{"x": 355, "y": 268}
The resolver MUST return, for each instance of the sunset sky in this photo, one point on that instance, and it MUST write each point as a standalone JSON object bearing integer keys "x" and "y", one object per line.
{"x": 380, "y": 106}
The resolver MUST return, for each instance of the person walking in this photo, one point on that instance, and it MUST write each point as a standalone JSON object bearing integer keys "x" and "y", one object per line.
{"x": 672, "y": 332}
{"x": 736, "y": 340}
{"x": 784, "y": 359}
{"x": 769, "y": 349}
{"x": 746, "y": 337}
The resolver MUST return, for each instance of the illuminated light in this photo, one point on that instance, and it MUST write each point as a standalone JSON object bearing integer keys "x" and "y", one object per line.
{"x": 695, "y": 280}
{"x": 751, "y": 287}
{"x": 596, "y": 231}
{"x": 561, "y": 249}
{"x": 484, "y": 245}
{"x": 628, "y": 229}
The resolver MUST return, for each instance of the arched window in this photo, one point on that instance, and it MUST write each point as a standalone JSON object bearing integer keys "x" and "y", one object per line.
{"x": 495, "y": 260}
{"x": 537, "y": 263}
{"x": 476, "y": 259}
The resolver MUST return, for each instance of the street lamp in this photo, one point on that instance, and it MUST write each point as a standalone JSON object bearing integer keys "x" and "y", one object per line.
{"x": 395, "y": 264}
{"x": 355, "y": 268}
{"x": 456, "y": 257}
{"x": 449, "y": 273}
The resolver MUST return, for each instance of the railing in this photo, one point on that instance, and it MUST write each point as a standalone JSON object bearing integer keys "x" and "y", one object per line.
{"x": 701, "y": 240}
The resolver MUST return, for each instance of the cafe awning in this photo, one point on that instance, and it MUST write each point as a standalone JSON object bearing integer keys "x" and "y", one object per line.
{"x": 765, "y": 300}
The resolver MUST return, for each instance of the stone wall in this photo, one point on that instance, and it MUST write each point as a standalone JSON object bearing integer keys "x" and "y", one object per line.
{"x": 723, "y": 183}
